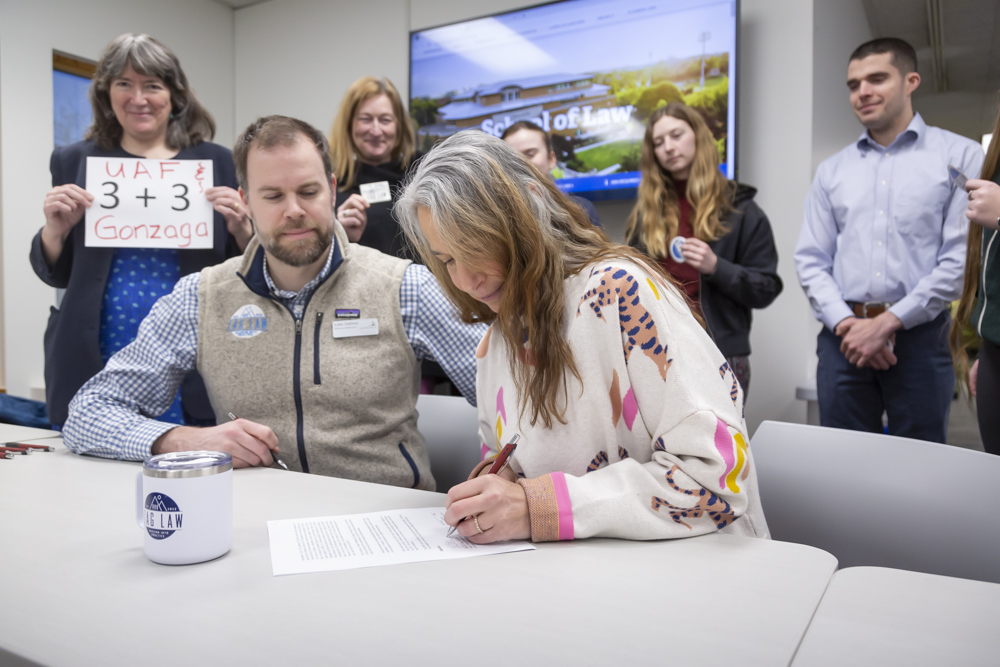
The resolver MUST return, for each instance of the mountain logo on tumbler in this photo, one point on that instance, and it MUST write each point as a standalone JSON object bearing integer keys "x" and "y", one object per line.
{"x": 162, "y": 517}
{"x": 247, "y": 322}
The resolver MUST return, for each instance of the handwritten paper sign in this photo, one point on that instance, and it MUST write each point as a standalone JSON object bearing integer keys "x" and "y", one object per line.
{"x": 149, "y": 203}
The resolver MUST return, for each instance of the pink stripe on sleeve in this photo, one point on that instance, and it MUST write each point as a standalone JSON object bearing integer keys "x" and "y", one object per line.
{"x": 565, "y": 507}
{"x": 724, "y": 443}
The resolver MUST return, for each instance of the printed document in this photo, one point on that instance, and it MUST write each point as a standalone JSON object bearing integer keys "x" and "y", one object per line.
{"x": 346, "y": 542}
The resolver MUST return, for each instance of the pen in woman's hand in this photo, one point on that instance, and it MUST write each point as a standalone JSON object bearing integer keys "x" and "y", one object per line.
{"x": 274, "y": 454}
{"x": 495, "y": 469}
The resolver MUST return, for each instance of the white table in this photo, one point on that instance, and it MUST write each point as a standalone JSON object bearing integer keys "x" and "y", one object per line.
{"x": 881, "y": 616}
{"x": 76, "y": 588}
{"x": 12, "y": 433}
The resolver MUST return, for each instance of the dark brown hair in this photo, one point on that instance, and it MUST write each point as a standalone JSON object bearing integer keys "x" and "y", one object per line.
{"x": 904, "y": 57}
{"x": 531, "y": 127}
{"x": 190, "y": 123}
{"x": 271, "y": 131}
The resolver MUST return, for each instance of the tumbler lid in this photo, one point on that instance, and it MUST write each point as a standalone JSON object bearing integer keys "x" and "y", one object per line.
{"x": 187, "y": 464}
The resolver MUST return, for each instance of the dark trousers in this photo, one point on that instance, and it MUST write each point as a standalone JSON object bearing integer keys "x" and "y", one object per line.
{"x": 987, "y": 390}
{"x": 916, "y": 393}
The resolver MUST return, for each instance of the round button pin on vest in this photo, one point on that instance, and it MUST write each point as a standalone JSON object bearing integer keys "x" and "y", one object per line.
{"x": 675, "y": 249}
{"x": 184, "y": 504}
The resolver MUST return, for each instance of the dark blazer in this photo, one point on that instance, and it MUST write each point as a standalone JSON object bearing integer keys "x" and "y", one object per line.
{"x": 72, "y": 351}
{"x": 746, "y": 275}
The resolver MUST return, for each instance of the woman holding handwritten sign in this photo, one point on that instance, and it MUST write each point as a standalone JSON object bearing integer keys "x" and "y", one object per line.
{"x": 630, "y": 421}
{"x": 143, "y": 108}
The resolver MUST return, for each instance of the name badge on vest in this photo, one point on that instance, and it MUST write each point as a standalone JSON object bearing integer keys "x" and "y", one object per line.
{"x": 352, "y": 328}
{"x": 376, "y": 192}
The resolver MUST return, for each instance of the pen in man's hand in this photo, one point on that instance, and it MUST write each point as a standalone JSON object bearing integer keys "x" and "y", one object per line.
{"x": 274, "y": 454}
{"x": 498, "y": 466}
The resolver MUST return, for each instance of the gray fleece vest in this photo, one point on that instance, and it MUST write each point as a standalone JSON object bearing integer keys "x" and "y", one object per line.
{"x": 343, "y": 407}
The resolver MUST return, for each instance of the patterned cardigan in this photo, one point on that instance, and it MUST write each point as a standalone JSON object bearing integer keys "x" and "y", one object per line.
{"x": 654, "y": 443}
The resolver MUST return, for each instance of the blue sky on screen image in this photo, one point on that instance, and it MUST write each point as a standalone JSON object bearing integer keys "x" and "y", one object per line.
{"x": 590, "y": 72}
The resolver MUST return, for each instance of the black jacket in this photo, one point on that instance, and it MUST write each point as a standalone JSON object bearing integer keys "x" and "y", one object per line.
{"x": 382, "y": 231}
{"x": 72, "y": 351}
{"x": 746, "y": 275}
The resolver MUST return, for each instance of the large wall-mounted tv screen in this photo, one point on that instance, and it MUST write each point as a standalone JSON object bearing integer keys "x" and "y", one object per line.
{"x": 589, "y": 72}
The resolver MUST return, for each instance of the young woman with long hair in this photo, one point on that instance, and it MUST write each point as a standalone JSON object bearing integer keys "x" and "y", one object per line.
{"x": 704, "y": 230}
{"x": 979, "y": 307}
{"x": 143, "y": 107}
{"x": 372, "y": 142}
{"x": 630, "y": 420}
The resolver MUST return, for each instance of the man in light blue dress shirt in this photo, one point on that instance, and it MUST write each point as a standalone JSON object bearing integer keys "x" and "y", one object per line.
{"x": 881, "y": 255}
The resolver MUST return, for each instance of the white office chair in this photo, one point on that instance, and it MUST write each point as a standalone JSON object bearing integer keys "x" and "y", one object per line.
{"x": 450, "y": 427}
{"x": 872, "y": 499}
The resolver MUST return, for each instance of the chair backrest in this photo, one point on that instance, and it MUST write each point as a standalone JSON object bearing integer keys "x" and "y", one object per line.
{"x": 872, "y": 499}
{"x": 450, "y": 427}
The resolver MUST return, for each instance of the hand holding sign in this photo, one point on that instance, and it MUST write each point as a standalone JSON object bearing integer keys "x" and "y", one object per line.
{"x": 149, "y": 203}
{"x": 227, "y": 201}
{"x": 64, "y": 206}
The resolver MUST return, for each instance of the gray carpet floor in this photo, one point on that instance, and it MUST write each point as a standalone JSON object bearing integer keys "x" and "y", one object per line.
{"x": 963, "y": 429}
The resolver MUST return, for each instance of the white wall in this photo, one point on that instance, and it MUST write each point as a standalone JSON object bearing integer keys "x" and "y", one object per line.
{"x": 200, "y": 32}
{"x": 297, "y": 57}
{"x": 775, "y": 106}
{"x": 839, "y": 27}
{"x": 970, "y": 114}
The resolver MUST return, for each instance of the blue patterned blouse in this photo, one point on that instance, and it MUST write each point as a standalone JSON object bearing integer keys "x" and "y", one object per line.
{"x": 139, "y": 276}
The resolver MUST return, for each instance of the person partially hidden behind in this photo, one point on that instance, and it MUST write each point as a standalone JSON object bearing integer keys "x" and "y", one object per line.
{"x": 881, "y": 252}
{"x": 313, "y": 341}
{"x": 535, "y": 144}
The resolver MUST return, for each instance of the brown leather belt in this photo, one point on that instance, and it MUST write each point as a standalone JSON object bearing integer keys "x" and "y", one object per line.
{"x": 869, "y": 309}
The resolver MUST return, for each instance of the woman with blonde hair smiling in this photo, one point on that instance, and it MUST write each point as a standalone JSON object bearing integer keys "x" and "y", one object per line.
{"x": 372, "y": 144}
{"x": 630, "y": 421}
{"x": 704, "y": 230}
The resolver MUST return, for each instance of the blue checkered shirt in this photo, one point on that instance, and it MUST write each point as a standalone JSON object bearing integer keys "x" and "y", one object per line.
{"x": 113, "y": 414}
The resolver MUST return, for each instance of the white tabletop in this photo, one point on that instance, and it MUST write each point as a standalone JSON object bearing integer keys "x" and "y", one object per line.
{"x": 78, "y": 590}
{"x": 881, "y": 616}
{"x": 12, "y": 433}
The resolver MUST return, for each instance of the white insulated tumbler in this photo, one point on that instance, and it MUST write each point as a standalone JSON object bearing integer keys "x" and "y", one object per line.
{"x": 184, "y": 504}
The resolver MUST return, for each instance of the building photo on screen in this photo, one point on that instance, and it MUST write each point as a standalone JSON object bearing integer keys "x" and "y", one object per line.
{"x": 588, "y": 72}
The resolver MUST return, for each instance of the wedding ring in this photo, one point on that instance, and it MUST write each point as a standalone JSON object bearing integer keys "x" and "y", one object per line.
{"x": 476, "y": 520}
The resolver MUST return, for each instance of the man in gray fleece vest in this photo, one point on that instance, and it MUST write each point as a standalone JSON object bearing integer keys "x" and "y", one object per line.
{"x": 314, "y": 342}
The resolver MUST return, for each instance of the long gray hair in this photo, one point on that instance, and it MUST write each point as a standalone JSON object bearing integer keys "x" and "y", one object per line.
{"x": 468, "y": 180}
{"x": 190, "y": 123}
{"x": 490, "y": 204}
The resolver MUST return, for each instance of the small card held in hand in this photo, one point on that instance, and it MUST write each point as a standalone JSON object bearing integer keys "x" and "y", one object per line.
{"x": 958, "y": 177}
{"x": 376, "y": 192}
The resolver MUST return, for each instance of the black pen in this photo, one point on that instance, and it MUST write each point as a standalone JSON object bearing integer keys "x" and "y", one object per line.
{"x": 274, "y": 454}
